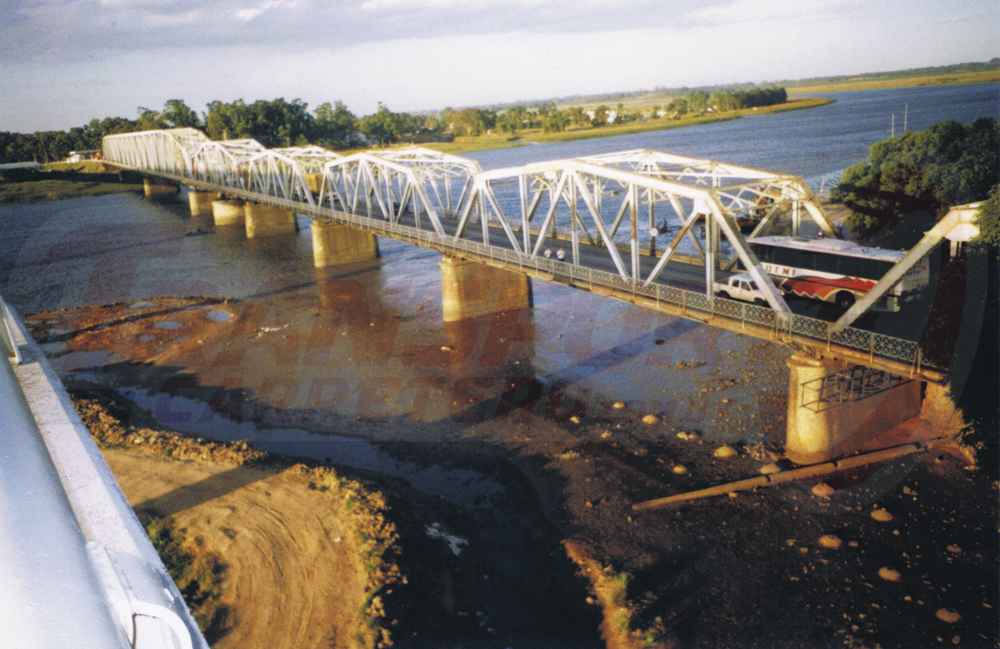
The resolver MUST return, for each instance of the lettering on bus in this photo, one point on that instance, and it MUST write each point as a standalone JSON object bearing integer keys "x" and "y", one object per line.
{"x": 772, "y": 269}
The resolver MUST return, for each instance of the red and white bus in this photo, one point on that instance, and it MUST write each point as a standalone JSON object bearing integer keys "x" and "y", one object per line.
{"x": 836, "y": 271}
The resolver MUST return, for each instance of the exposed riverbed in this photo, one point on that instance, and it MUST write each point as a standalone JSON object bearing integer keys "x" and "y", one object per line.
{"x": 517, "y": 432}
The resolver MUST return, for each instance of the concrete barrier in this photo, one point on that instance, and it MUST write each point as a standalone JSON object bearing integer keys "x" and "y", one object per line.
{"x": 77, "y": 569}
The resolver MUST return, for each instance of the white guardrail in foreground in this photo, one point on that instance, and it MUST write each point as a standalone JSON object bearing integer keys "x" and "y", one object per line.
{"x": 76, "y": 567}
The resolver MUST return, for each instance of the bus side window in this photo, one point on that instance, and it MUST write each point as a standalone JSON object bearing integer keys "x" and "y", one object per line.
{"x": 763, "y": 253}
{"x": 786, "y": 257}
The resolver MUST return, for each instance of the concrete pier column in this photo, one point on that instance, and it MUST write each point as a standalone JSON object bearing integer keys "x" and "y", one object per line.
{"x": 201, "y": 202}
{"x": 228, "y": 212}
{"x": 470, "y": 289}
{"x": 335, "y": 244}
{"x": 157, "y": 189}
{"x": 821, "y": 429}
{"x": 266, "y": 220}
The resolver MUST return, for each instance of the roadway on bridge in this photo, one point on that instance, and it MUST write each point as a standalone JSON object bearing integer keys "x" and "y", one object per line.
{"x": 687, "y": 273}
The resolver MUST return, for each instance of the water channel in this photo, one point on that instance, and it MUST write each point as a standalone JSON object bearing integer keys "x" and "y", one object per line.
{"x": 354, "y": 364}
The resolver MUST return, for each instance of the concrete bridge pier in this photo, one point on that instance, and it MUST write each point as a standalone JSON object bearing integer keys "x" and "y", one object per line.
{"x": 228, "y": 212}
{"x": 470, "y": 289}
{"x": 822, "y": 427}
{"x": 159, "y": 190}
{"x": 201, "y": 202}
{"x": 335, "y": 244}
{"x": 266, "y": 220}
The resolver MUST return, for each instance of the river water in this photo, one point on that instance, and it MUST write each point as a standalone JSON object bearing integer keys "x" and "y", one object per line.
{"x": 353, "y": 363}
{"x": 573, "y": 352}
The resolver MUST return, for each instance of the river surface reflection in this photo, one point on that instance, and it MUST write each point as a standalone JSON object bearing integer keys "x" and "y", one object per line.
{"x": 361, "y": 349}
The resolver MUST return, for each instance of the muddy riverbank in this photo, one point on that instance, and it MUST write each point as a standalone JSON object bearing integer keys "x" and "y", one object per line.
{"x": 512, "y": 498}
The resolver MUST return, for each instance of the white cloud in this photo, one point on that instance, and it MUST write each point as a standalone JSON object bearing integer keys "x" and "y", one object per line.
{"x": 485, "y": 5}
{"x": 754, "y": 11}
{"x": 247, "y": 15}
{"x": 173, "y": 20}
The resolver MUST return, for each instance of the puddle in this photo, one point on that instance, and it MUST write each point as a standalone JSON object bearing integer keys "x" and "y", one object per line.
{"x": 145, "y": 339}
{"x": 75, "y": 361}
{"x": 167, "y": 324}
{"x": 52, "y": 348}
{"x": 461, "y": 486}
{"x": 217, "y": 315}
{"x": 141, "y": 305}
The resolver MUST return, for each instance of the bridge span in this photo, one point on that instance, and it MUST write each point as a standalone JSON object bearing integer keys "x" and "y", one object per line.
{"x": 649, "y": 228}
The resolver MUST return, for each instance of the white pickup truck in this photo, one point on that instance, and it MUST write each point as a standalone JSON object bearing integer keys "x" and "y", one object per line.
{"x": 740, "y": 287}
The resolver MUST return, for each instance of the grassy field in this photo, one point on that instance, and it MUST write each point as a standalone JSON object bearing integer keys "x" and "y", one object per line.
{"x": 61, "y": 181}
{"x": 862, "y": 83}
{"x": 500, "y": 141}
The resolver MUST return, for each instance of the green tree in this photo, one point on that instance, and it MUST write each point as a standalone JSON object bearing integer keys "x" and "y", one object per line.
{"x": 177, "y": 114}
{"x": 472, "y": 121}
{"x": 335, "y": 125}
{"x": 988, "y": 220}
{"x": 931, "y": 170}
{"x": 555, "y": 122}
{"x": 578, "y": 116}
{"x": 600, "y": 116}
{"x": 230, "y": 121}
{"x": 383, "y": 127}
{"x": 149, "y": 120}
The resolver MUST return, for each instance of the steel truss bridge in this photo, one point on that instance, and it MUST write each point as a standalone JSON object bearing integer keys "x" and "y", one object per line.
{"x": 646, "y": 227}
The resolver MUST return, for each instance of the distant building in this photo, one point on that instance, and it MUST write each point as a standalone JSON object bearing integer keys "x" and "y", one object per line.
{"x": 80, "y": 156}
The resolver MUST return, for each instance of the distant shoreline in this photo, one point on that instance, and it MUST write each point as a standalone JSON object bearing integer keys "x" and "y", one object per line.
{"x": 503, "y": 141}
{"x": 991, "y": 76}
{"x": 799, "y": 99}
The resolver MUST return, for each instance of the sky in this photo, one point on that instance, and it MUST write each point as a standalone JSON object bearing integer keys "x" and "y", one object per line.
{"x": 66, "y": 62}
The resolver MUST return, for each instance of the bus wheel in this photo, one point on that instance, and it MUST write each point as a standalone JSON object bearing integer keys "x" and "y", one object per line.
{"x": 845, "y": 300}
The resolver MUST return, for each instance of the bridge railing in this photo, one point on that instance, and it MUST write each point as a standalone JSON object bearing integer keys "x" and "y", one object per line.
{"x": 782, "y": 326}
{"x": 78, "y": 568}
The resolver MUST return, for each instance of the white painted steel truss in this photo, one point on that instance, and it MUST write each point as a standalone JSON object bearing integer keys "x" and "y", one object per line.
{"x": 620, "y": 203}
{"x": 387, "y": 184}
{"x": 168, "y": 151}
{"x": 623, "y": 202}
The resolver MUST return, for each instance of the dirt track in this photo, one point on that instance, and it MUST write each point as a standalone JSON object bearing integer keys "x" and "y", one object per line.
{"x": 274, "y": 534}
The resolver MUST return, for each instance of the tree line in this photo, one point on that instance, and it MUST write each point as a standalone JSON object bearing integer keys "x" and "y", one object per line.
{"x": 281, "y": 123}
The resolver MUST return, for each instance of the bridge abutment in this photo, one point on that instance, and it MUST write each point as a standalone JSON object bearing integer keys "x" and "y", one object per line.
{"x": 335, "y": 244}
{"x": 160, "y": 190}
{"x": 201, "y": 202}
{"x": 819, "y": 430}
{"x": 266, "y": 220}
{"x": 228, "y": 212}
{"x": 470, "y": 289}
